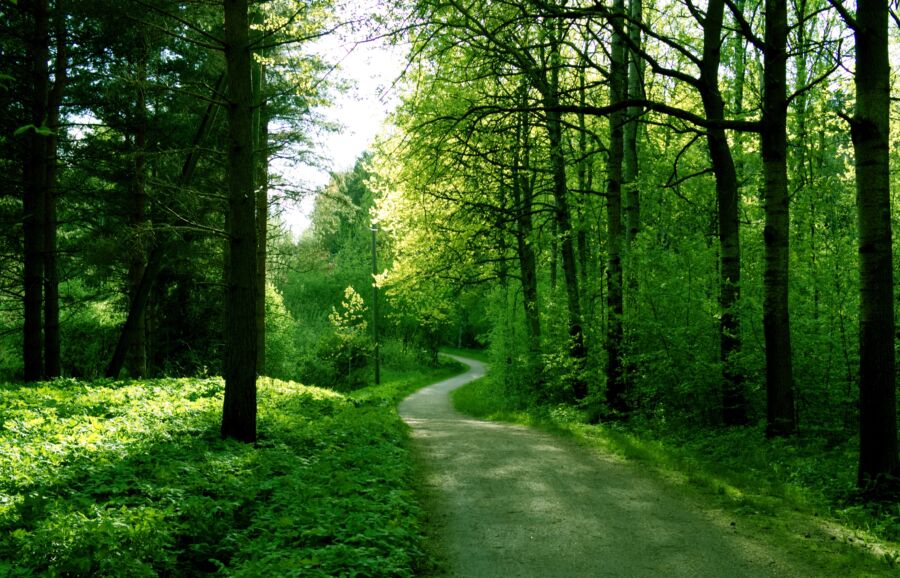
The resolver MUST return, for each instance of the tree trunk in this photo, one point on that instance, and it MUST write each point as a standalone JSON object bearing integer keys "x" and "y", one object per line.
{"x": 261, "y": 154}
{"x": 630, "y": 136}
{"x": 52, "y": 361}
{"x": 781, "y": 419}
{"x": 870, "y": 131}
{"x": 615, "y": 378}
{"x": 239, "y": 408}
{"x": 137, "y": 353}
{"x": 35, "y": 192}
{"x": 734, "y": 399}
{"x": 523, "y": 197}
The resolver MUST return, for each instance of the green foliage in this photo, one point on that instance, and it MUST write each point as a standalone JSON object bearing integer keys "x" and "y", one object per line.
{"x": 281, "y": 329}
{"x": 132, "y": 479}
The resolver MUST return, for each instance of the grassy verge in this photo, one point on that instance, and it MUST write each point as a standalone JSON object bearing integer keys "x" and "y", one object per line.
{"x": 131, "y": 479}
{"x": 794, "y": 494}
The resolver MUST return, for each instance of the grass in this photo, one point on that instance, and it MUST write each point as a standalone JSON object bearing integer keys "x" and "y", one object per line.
{"x": 795, "y": 494}
{"x": 131, "y": 479}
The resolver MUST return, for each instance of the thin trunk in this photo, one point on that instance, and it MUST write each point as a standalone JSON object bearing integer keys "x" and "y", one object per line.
{"x": 137, "y": 353}
{"x": 870, "y": 130}
{"x": 734, "y": 399}
{"x": 523, "y": 197}
{"x": 35, "y": 193}
{"x": 776, "y": 318}
{"x": 52, "y": 361}
{"x": 615, "y": 378}
{"x": 550, "y": 94}
{"x": 239, "y": 408}
{"x": 261, "y": 153}
{"x": 630, "y": 167}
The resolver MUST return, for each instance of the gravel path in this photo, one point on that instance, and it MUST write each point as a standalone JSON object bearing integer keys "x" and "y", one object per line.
{"x": 506, "y": 501}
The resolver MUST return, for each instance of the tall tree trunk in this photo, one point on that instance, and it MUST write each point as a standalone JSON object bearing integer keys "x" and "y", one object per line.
{"x": 734, "y": 399}
{"x": 630, "y": 136}
{"x": 523, "y": 197}
{"x": 35, "y": 191}
{"x": 549, "y": 87}
{"x": 870, "y": 130}
{"x": 261, "y": 155}
{"x": 615, "y": 378}
{"x": 239, "y": 408}
{"x": 52, "y": 361}
{"x": 781, "y": 419}
{"x": 137, "y": 353}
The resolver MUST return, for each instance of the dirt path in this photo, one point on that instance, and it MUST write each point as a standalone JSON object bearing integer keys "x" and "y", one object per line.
{"x": 509, "y": 501}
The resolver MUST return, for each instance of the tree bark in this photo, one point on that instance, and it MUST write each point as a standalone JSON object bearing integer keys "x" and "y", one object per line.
{"x": 35, "y": 192}
{"x": 523, "y": 197}
{"x": 630, "y": 166}
{"x": 549, "y": 88}
{"x": 137, "y": 352}
{"x": 615, "y": 378}
{"x": 52, "y": 360}
{"x": 734, "y": 400}
{"x": 870, "y": 130}
{"x": 239, "y": 408}
{"x": 781, "y": 420}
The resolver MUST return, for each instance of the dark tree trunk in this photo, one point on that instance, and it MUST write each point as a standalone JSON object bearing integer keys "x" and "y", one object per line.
{"x": 630, "y": 136}
{"x": 261, "y": 164}
{"x": 781, "y": 419}
{"x": 52, "y": 361}
{"x": 239, "y": 409}
{"x": 734, "y": 399}
{"x": 870, "y": 130}
{"x": 137, "y": 353}
{"x": 615, "y": 378}
{"x": 523, "y": 197}
{"x": 35, "y": 192}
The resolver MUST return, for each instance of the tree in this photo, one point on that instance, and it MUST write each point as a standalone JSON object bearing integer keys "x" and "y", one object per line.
{"x": 870, "y": 131}
{"x": 781, "y": 419}
{"x": 239, "y": 409}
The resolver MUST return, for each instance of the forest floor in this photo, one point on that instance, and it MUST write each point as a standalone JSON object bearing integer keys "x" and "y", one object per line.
{"x": 508, "y": 500}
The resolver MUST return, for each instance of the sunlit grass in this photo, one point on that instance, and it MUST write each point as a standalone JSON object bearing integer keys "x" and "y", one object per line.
{"x": 132, "y": 479}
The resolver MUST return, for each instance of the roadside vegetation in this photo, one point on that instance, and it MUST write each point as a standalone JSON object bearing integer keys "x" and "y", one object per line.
{"x": 117, "y": 478}
{"x": 799, "y": 493}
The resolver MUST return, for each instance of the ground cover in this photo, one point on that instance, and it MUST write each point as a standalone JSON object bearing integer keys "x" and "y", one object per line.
{"x": 132, "y": 479}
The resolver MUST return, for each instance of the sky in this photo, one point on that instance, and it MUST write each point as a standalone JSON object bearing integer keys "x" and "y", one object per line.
{"x": 372, "y": 68}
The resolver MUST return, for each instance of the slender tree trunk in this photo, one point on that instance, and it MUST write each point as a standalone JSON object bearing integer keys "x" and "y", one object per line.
{"x": 52, "y": 361}
{"x": 870, "y": 130}
{"x": 35, "y": 192}
{"x": 615, "y": 378}
{"x": 734, "y": 399}
{"x": 550, "y": 94}
{"x": 776, "y": 318}
{"x": 630, "y": 136}
{"x": 137, "y": 353}
{"x": 261, "y": 154}
{"x": 523, "y": 197}
{"x": 239, "y": 408}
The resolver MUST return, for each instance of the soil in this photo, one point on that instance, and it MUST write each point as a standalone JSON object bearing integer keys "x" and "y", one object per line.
{"x": 505, "y": 500}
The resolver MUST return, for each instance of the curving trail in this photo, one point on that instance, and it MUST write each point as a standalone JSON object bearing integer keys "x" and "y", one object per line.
{"x": 506, "y": 500}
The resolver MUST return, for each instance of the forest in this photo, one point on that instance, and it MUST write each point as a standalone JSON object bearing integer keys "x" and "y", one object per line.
{"x": 666, "y": 220}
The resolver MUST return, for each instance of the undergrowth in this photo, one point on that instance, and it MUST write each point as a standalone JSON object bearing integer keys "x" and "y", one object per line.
{"x": 132, "y": 479}
{"x": 801, "y": 489}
